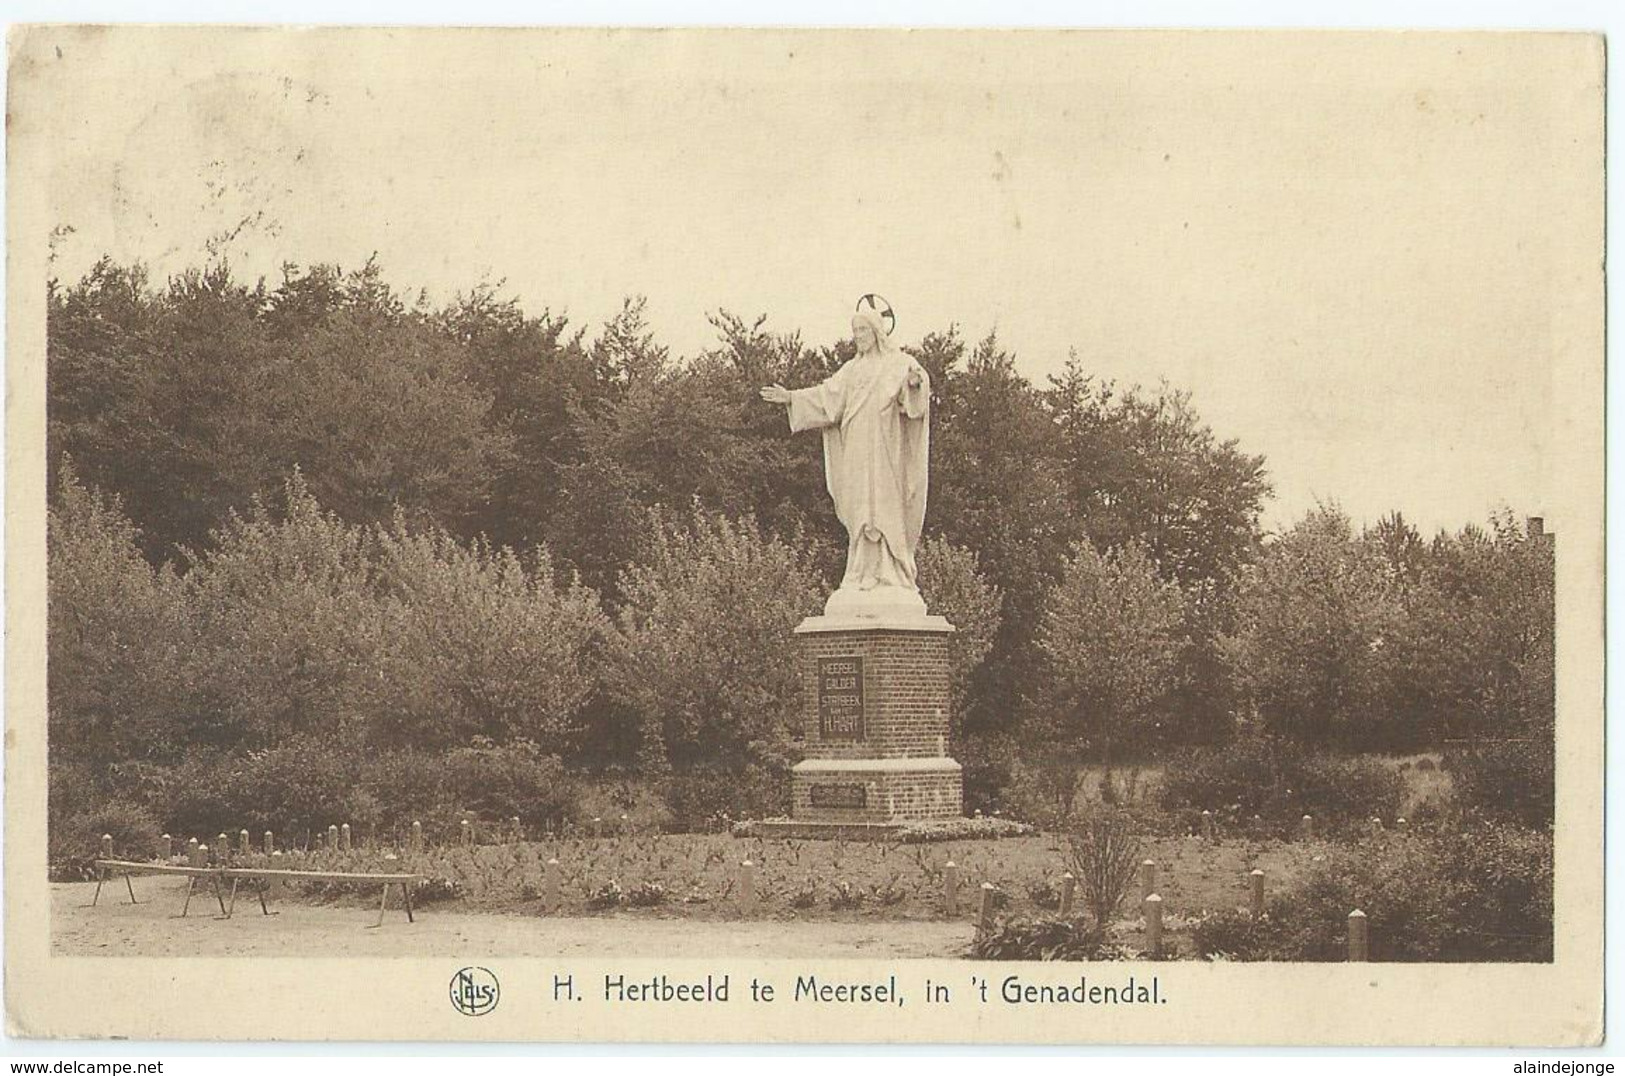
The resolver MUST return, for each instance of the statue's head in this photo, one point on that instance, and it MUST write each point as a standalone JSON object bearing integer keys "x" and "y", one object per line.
{"x": 868, "y": 331}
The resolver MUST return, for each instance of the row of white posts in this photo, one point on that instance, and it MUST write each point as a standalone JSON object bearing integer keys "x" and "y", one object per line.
{"x": 1359, "y": 948}
{"x": 1306, "y": 825}
{"x": 1150, "y": 901}
{"x": 337, "y": 838}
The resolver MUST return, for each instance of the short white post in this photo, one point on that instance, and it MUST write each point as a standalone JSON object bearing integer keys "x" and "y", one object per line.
{"x": 1207, "y": 824}
{"x": 1257, "y": 895}
{"x": 166, "y": 847}
{"x": 984, "y": 919}
{"x": 518, "y": 832}
{"x": 417, "y": 836}
{"x": 1069, "y": 888}
{"x": 1148, "y": 878}
{"x": 243, "y": 846}
{"x": 950, "y": 889}
{"x": 1306, "y": 826}
{"x": 107, "y": 846}
{"x": 1401, "y": 825}
{"x": 222, "y": 847}
{"x": 747, "y": 888}
{"x": 192, "y": 856}
{"x": 1359, "y": 937}
{"x": 270, "y": 843}
{"x": 468, "y": 833}
{"x": 333, "y": 838}
{"x": 344, "y": 837}
{"x": 550, "y": 885}
{"x": 1153, "y": 926}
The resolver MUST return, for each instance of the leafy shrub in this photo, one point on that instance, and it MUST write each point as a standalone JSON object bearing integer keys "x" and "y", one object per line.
{"x": 1111, "y": 639}
{"x": 888, "y": 893}
{"x": 952, "y": 584}
{"x": 410, "y": 786}
{"x": 956, "y": 829}
{"x": 71, "y": 787}
{"x": 116, "y": 631}
{"x": 1353, "y": 788}
{"x": 299, "y": 788}
{"x": 1479, "y": 894}
{"x": 1044, "y": 938}
{"x": 1313, "y": 614}
{"x": 1105, "y": 854}
{"x": 646, "y": 895}
{"x": 1044, "y": 894}
{"x": 606, "y": 896}
{"x": 1246, "y": 772}
{"x": 632, "y": 804}
{"x": 300, "y": 785}
{"x": 1504, "y": 874}
{"x": 1410, "y": 903}
{"x": 1041, "y": 790}
{"x": 989, "y": 769}
{"x": 1232, "y": 934}
{"x": 199, "y": 796}
{"x": 386, "y": 634}
{"x": 1508, "y": 779}
{"x": 1280, "y": 781}
{"x": 286, "y": 625}
{"x": 508, "y": 780}
{"x": 478, "y": 643}
{"x": 706, "y": 799}
{"x": 75, "y": 839}
{"x": 705, "y": 655}
{"x": 436, "y": 888}
{"x": 844, "y": 895}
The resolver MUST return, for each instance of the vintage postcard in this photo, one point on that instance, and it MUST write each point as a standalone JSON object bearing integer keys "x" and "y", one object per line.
{"x": 785, "y": 535}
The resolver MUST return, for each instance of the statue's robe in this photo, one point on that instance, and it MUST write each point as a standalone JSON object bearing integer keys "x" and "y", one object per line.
{"x": 876, "y": 445}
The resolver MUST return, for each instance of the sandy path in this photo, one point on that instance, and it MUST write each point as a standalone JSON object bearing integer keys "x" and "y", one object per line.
{"x": 153, "y": 928}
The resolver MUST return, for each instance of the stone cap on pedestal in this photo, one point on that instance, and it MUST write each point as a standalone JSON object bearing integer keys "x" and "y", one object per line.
{"x": 880, "y": 622}
{"x": 928, "y": 764}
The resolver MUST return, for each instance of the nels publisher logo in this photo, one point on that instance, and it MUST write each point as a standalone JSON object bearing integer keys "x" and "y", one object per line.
{"x": 474, "y": 991}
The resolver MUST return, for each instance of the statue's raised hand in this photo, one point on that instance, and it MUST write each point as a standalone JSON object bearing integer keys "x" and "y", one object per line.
{"x": 776, "y": 394}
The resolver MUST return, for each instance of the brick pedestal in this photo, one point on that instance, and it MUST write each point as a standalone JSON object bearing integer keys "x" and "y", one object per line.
{"x": 875, "y": 724}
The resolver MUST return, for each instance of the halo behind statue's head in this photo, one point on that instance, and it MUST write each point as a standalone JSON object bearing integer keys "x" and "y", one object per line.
{"x": 877, "y": 312}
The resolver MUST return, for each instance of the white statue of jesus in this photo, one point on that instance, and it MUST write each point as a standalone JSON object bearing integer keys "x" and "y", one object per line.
{"x": 875, "y": 412}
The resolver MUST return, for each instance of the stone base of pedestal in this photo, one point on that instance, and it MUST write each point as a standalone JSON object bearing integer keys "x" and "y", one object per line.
{"x": 876, "y": 791}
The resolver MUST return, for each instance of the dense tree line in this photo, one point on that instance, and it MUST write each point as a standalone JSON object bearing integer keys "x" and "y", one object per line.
{"x": 325, "y": 513}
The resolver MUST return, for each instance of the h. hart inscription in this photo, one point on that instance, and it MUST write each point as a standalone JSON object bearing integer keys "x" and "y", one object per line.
{"x": 840, "y": 698}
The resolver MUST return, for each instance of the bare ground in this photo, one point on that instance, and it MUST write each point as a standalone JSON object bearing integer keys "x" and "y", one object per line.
{"x": 154, "y": 928}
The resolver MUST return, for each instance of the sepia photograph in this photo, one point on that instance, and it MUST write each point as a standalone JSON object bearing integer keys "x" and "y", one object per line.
{"x": 949, "y": 528}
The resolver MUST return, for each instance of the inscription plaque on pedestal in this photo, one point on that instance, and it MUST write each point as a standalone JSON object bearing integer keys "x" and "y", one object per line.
{"x": 825, "y": 795}
{"x": 840, "y": 698}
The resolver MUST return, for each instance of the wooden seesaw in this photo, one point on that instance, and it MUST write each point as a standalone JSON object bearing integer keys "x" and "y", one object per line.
{"x": 262, "y": 877}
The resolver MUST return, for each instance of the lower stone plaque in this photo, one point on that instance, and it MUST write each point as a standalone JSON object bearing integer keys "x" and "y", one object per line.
{"x": 838, "y": 795}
